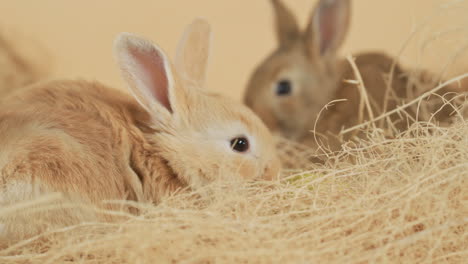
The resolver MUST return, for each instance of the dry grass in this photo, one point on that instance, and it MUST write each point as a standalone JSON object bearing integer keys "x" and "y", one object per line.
{"x": 403, "y": 201}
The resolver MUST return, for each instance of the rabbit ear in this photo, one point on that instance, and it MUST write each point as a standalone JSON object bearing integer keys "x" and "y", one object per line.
{"x": 193, "y": 52}
{"x": 147, "y": 72}
{"x": 287, "y": 29}
{"x": 328, "y": 26}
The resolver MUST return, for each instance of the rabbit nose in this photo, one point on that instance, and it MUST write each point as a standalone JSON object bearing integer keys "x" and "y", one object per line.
{"x": 272, "y": 170}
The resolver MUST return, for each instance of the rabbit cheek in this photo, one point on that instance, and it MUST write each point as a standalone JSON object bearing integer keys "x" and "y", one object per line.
{"x": 248, "y": 171}
{"x": 287, "y": 107}
{"x": 288, "y": 116}
{"x": 242, "y": 167}
{"x": 253, "y": 170}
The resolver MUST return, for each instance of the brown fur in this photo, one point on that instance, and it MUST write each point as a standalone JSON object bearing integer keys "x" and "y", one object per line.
{"x": 93, "y": 143}
{"x": 309, "y": 60}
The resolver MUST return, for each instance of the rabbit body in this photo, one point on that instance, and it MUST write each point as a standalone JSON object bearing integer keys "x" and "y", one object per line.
{"x": 81, "y": 139}
{"x": 93, "y": 138}
{"x": 374, "y": 68}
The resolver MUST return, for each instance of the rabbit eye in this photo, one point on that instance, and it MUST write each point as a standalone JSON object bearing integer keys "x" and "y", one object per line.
{"x": 283, "y": 88}
{"x": 240, "y": 144}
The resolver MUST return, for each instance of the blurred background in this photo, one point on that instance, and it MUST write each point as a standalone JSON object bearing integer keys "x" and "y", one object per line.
{"x": 78, "y": 35}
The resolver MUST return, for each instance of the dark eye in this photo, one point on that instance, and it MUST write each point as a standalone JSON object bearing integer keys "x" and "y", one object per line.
{"x": 283, "y": 87}
{"x": 240, "y": 144}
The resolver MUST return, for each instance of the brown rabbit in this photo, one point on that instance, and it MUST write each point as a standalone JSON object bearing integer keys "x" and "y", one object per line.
{"x": 93, "y": 143}
{"x": 290, "y": 88}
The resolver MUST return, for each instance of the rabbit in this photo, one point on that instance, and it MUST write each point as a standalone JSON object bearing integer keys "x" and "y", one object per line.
{"x": 293, "y": 84}
{"x": 21, "y": 63}
{"x": 93, "y": 143}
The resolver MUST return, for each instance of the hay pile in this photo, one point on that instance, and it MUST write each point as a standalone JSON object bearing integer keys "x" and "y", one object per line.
{"x": 403, "y": 201}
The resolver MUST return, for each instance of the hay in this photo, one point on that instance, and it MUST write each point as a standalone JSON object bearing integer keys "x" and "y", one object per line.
{"x": 404, "y": 200}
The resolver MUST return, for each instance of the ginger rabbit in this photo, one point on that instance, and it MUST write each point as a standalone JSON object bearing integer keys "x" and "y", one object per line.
{"x": 92, "y": 143}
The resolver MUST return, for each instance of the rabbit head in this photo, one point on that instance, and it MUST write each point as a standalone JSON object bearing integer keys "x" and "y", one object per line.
{"x": 203, "y": 136}
{"x": 290, "y": 87}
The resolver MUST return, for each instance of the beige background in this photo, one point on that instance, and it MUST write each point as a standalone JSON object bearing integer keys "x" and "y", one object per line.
{"x": 79, "y": 34}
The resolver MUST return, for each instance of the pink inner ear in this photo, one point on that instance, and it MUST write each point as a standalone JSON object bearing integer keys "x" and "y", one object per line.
{"x": 152, "y": 73}
{"x": 329, "y": 22}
